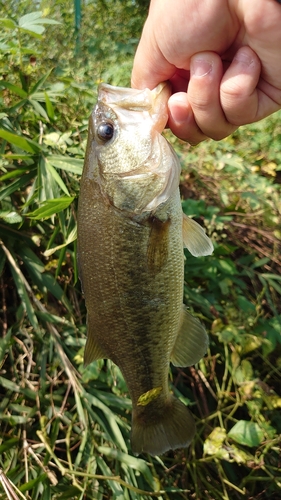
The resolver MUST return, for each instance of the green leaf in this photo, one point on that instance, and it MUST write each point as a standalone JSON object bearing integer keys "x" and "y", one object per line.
{"x": 8, "y": 23}
{"x": 33, "y": 23}
{"x": 40, "y": 82}
{"x": 51, "y": 207}
{"x": 20, "y": 183}
{"x": 133, "y": 462}
{"x": 44, "y": 280}
{"x": 22, "y": 292}
{"x": 49, "y": 107}
{"x": 246, "y": 433}
{"x": 70, "y": 238}
{"x": 57, "y": 178}
{"x": 13, "y": 88}
{"x": 113, "y": 484}
{"x": 74, "y": 165}
{"x": 33, "y": 482}
{"x": 38, "y": 109}
{"x": 21, "y": 142}
{"x": 11, "y": 217}
{"x": 8, "y": 444}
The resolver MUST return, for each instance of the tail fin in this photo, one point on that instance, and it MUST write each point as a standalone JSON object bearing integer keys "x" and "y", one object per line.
{"x": 175, "y": 428}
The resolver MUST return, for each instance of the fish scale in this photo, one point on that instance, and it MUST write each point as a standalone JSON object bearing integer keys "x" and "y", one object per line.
{"x": 132, "y": 265}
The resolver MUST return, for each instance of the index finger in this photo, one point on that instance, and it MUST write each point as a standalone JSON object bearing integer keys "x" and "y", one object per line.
{"x": 150, "y": 66}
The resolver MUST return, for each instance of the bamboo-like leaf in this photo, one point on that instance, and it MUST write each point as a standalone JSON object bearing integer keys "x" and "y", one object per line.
{"x": 38, "y": 108}
{"x": 16, "y": 185}
{"x": 74, "y": 165}
{"x": 51, "y": 207}
{"x": 13, "y": 88}
{"x": 49, "y": 107}
{"x": 21, "y": 142}
{"x": 57, "y": 178}
{"x": 70, "y": 238}
{"x": 44, "y": 280}
{"x": 40, "y": 82}
{"x": 22, "y": 292}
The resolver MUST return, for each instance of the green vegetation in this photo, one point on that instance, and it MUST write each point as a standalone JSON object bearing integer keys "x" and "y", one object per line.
{"x": 64, "y": 429}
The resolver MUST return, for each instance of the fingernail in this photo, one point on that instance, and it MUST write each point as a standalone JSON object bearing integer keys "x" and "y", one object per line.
{"x": 200, "y": 67}
{"x": 243, "y": 58}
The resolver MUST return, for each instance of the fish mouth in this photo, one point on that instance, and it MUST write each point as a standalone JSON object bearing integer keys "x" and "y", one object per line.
{"x": 155, "y": 101}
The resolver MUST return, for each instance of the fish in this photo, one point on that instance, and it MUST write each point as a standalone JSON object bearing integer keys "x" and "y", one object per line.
{"x": 131, "y": 234}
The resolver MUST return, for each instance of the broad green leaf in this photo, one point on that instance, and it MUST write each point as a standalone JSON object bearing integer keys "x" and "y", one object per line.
{"x": 13, "y": 88}
{"x": 49, "y": 107}
{"x": 20, "y": 183}
{"x": 11, "y": 217}
{"x": 57, "y": 178}
{"x": 17, "y": 172}
{"x": 40, "y": 82}
{"x": 48, "y": 188}
{"x": 246, "y": 433}
{"x": 51, "y": 207}
{"x": 74, "y": 165}
{"x": 40, "y": 111}
{"x": 21, "y": 142}
{"x": 8, "y": 23}
{"x": 33, "y": 23}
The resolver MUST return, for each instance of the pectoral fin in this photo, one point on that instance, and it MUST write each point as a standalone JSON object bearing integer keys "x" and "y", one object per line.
{"x": 92, "y": 351}
{"x": 157, "y": 250}
{"x": 195, "y": 238}
{"x": 191, "y": 343}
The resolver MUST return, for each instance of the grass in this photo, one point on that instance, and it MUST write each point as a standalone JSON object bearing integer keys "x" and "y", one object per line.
{"x": 64, "y": 428}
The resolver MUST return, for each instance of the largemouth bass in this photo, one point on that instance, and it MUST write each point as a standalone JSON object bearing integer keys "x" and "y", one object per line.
{"x": 131, "y": 231}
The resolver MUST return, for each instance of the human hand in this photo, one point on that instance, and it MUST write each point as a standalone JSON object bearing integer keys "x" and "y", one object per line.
{"x": 223, "y": 59}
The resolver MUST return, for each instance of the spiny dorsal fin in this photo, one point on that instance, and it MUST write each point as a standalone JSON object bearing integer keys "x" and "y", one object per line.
{"x": 191, "y": 343}
{"x": 195, "y": 238}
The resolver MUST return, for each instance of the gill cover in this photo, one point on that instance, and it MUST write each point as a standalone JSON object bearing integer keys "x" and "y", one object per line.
{"x": 137, "y": 168}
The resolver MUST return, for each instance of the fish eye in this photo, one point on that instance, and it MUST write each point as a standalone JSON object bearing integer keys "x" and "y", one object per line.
{"x": 105, "y": 131}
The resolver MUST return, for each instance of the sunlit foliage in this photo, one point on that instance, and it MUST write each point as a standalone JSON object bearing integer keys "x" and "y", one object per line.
{"x": 64, "y": 429}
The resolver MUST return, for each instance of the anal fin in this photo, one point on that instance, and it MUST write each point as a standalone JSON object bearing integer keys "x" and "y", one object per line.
{"x": 93, "y": 350}
{"x": 191, "y": 343}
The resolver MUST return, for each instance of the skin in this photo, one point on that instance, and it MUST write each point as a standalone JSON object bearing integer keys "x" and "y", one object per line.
{"x": 223, "y": 59}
